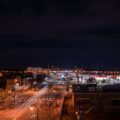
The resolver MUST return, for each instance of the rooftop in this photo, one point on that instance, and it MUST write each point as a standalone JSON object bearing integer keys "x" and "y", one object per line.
{"x": 93, "y": 88}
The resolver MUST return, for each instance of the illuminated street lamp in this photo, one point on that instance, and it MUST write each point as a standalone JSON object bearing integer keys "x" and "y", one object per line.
{"x": 77, "y": 115}
{"x": 32, "y": 108}
{"x": 54, "y": 91}
{"x": 16, "y": 80}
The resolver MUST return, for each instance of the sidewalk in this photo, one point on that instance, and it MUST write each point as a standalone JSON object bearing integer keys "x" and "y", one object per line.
{"x": 68, "y": 111}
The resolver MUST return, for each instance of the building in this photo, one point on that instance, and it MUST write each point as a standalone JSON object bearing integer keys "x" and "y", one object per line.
{"x": 36, "y": 70}
{"x": 10, "y": 84}
{"x": 106, "y": 97}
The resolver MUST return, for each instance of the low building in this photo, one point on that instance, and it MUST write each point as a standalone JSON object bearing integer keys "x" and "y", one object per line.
{"x": 10, "y": 84}
{"x": 106, "y": 97}
{"x": 37, "y": 70}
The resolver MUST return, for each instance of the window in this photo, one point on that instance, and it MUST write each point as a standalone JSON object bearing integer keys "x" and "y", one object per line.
{"x": 116, "y": 102}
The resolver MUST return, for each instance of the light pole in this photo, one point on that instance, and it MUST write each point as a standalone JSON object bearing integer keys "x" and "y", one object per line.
{"x": 32, "y": 108}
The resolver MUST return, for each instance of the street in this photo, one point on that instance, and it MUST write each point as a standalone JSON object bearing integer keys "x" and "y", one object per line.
{"x": 47, "y": 102}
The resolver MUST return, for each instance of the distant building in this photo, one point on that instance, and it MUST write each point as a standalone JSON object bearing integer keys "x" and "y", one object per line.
{"x": 10, "y": 84}
{"x": 36, "y": 70}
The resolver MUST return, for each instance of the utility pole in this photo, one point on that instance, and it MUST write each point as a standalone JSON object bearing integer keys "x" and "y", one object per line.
{"x": 37, "y": 113}
{"x": 67, "y": 82}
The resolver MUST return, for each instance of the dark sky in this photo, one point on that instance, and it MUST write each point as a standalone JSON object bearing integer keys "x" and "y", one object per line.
{"x": 60, "y": 32}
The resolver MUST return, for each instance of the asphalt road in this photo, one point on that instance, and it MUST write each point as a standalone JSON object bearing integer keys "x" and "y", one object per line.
{"x": 46, "y": 104}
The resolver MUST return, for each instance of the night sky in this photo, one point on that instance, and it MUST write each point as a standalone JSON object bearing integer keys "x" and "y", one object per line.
{"x": 65, "y": 33}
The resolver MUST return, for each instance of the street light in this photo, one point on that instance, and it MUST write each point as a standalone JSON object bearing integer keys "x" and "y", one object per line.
{"x": 54, "y": 91}
{"x": 32, "y": 108}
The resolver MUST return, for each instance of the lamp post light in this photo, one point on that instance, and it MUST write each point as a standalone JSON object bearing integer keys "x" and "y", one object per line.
{"x": 78, "y": 114}
{"x": 32, "y": 108}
